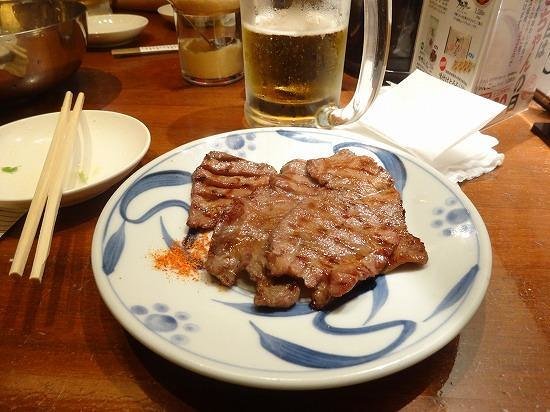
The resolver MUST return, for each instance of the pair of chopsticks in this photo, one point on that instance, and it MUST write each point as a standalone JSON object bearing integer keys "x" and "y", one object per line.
{"x": 48, "y": 191}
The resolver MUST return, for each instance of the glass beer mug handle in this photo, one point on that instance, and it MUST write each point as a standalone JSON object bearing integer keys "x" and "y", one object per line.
{"x": 376, "y": 42}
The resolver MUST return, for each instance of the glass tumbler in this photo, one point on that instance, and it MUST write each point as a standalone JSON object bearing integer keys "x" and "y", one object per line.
{"x": 209, "y": 41}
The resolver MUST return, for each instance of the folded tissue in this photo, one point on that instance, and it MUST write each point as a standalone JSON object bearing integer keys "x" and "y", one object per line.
{"x": 437, "y": 122}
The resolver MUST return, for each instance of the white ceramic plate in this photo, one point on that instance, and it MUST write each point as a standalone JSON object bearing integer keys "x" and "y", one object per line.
{"x": 216, "y": 331}
{"x": 108, "y": 30}
{"x": 108, "y": 146}
{"x": 167, "y": 12}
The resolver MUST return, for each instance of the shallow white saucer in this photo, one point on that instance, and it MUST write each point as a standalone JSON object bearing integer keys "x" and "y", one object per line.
{"x": 167, "y": 12}
{"x": 107, "y": 148}
{"x": 107, "y": 30}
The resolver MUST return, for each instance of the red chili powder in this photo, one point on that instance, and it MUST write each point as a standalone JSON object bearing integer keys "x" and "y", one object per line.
{"x": 181, "y": 260}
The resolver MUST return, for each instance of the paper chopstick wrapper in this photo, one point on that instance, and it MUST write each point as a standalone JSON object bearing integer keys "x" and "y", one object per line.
{"x": 136, "y": 51}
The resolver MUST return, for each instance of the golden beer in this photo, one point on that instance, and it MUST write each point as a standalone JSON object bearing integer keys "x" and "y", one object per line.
{"x": 292, "y": 68}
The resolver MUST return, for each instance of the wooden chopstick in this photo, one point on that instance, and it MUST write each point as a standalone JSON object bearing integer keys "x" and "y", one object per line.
{"x": 55, "y": 192}
{"x": 39, "y": 199}
{"x": 48, "y": 192}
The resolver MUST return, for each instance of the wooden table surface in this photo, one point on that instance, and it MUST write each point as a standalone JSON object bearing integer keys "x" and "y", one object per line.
{"x": 60, "y": 348}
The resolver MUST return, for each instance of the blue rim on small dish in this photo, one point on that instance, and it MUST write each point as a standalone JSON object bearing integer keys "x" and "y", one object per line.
{"x": 384, "y": 325}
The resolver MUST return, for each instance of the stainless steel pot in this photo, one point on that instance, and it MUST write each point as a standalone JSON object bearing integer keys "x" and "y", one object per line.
{"x": 42, "y": 43}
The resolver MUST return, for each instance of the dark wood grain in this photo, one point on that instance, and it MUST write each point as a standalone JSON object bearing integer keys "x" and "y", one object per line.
{"x": 60, "y": 348}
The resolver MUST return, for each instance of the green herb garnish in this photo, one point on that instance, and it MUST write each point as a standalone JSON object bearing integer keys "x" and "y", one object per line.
{"x": 83, "y": 176}
{"x": 10, "y": 169}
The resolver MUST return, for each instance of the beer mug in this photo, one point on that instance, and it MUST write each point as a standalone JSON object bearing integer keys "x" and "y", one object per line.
{"x": 294, "y": 60}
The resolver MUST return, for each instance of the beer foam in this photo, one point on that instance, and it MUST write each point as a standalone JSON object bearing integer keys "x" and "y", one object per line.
{"x": 297, "y": 22}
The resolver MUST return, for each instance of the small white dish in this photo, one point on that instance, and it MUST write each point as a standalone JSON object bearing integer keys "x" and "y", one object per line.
{"x": 167, "y": 12}
{"x": 107, "y": 30}
{"x": 108, "y": 146}
{"x": 380, "y": 328}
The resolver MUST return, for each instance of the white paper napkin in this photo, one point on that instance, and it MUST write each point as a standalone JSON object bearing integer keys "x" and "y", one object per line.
{"x": 469, "y": 158}
{"x": 437, "y": 122}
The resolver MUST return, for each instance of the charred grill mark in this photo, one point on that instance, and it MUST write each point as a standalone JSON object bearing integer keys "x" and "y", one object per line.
{"x": 317, "y": 228}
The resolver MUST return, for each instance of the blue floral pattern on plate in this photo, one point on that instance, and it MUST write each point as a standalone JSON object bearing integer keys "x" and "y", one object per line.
{"x": 378, "y": 324}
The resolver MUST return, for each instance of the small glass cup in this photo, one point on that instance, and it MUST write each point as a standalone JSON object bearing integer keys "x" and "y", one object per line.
{"x": 210, "y": 48}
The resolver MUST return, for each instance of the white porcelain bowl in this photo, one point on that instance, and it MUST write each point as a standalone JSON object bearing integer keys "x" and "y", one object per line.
{"x": 106, "y": 30}
{"x": 108, "y": 146}
{"x": 167, "y": 12}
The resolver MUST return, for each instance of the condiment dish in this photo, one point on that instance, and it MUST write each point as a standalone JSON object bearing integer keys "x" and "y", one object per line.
{"x": 108, "y": 146}
{"x": 167, "y": 12}
{"x": 107, "y": 30}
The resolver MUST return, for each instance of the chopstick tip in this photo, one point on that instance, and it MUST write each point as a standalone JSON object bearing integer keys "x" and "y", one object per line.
{"x": 16, "y": 268}
{"x": 37, "y": 271}
{"x": 37, "y": 279}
